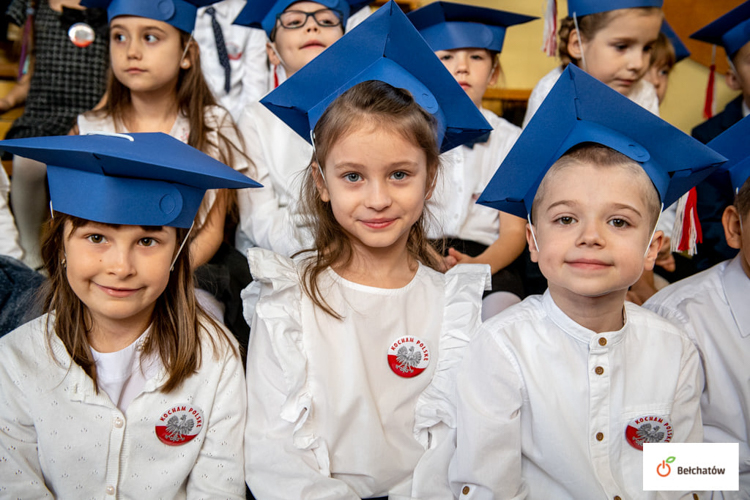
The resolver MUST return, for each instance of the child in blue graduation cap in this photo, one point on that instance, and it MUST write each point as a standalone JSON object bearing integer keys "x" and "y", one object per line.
{"x": 711, "y": 308}
{"x": 350, "y": 364}
{"x": 468, "y": 40}
{"x": 731, "y": 32}
{"x": 612, "y": 41}
{"x": 125, "y": 387}
{"x": 157, "y": 86}
{"x": 665, "y": 53}
{"x": 298, "y": 32}
{"x": 558, "y": 394}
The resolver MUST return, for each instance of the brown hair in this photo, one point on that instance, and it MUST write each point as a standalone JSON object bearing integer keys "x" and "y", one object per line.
{"x": 662, "y": 53}
{"x": 742, "y": 200}
{"x": 193, "y": 97}
{"x": 177, "y": 321}
{"x": 589, "y": 26}
{"x": 598, "y": 155}
{"x": 369, "y": 103}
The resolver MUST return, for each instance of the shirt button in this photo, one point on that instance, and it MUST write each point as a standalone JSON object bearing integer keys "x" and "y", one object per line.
{"x": 599, "y": 370}
{"x": 696, "y": 497}
{"x": 110, "y": 490}
{"x": 118, "y": 422}
{"x": 465, "y": 490}
{"x": 602, "y": 341}
{"x": 617, "y": 498}
{"x": 599, "y": 436}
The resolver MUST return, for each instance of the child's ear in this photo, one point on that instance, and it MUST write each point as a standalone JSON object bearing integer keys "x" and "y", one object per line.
{"x": 271, "y": 53}
{"x": 652, "y": 252}
{"x": 320, "y": 183}
{"x": 575, "y": 47}
{"x": 732, "y": 227}
{"x": 496, "y": 69}
{"x": 431, "y": 183}
{"x": 733, "y": 81}
{"x": 533, "y": 250}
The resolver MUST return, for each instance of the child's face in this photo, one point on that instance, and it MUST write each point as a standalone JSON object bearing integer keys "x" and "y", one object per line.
{"x": 737, "y": 236}
{"x": 146, "y": 54}
{"x": 377, "y": 183}
{"x": 739, "y": 77}
{"x": 299, "y": 46}
{"x": 658, "y": 75}
{"x": 618, "y": 55}
{"x": 119, "y": 272}
{"x": 593, "y": 228}
{"x": 473, "y": 69}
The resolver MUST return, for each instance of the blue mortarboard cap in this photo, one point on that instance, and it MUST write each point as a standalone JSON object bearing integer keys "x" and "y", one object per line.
{"x": 262, "y": 13}
{"x": 384, "y": 47}
{"x": 585, "y": 7}
{"x": 153, "y": 180}
{"x": 680, "y": 51}
{"x": 734, "y": 144}
{"x": 581, "y": 109}
{"x": 179, "y": 13}
{"x": 447, "y": 26}
{"x": 731, "y": 31}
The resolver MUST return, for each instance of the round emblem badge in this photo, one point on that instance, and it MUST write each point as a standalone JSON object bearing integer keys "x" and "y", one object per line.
{"x": 408, "y": 356}
{"x": 179, "y": 424}
{"x": 81, "y": 34}
{"x": 234, "y": 52}
{"x": 648, "y": 429}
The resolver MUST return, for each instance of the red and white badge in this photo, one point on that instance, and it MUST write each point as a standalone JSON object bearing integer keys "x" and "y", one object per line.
{"x": 408, "y": 356}
{"x": 648, "y": 429}
{"x": 81, "y": 34}
{"x": 179, "y": 424}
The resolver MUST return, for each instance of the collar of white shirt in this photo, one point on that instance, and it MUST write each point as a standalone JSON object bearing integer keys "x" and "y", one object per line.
{"x": 577, "y": 331}
{"x": 737, "y": 287}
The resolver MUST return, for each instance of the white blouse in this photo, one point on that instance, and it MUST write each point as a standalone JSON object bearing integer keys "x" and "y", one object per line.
{"x": 327, "y": 412}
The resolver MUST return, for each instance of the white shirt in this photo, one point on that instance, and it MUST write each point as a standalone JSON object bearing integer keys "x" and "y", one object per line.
{"x": 61, "y": 439}
{"x": 531, "y": 403}
{"x": 269, "y": 216}
{"x": 216, "y": 118}
{"x": 246, "y": 48}
{"x": 465, "y": 173}
{"x": 712, "y": 308}
{"x": 643, "y": 93}
{"x": 8, "y": 231}
{"x": 327, "y": 415}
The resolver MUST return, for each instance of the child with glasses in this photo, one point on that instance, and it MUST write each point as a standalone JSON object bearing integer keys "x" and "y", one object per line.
{"x": 297, "y": 33}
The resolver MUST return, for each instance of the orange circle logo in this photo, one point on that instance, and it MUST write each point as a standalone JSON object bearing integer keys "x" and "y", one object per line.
{"x": 663, "y": 466}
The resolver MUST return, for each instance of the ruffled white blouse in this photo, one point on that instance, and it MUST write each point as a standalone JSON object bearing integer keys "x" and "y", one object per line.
{"x": 327, "y": 413}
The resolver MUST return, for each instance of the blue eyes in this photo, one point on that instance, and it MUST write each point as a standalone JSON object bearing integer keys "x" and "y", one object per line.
{"x": 352, "y": 177}
{"x": 355, "y": 177}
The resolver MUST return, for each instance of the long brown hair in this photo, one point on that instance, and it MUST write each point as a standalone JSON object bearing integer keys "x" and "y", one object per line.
{"x": 384, "y": 106}
{"x": 588, "y": 26}
{"x": 178, "y": 322}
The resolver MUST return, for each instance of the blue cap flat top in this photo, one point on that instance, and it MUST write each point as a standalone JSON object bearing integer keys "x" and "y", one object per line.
{"x": 179, "y": 13}
{"x": 734, "y": 144}
{"x": 388, "y": 48}
{"x": 447, "y": 26}
{"x": 153, "y": 180}
{"x": 680, "y": 51}
{"x": 262, "y": 13}
{"x": 731, "y": 31}
{"x": 581, "y": 109}
{"x": 585, "y": 7}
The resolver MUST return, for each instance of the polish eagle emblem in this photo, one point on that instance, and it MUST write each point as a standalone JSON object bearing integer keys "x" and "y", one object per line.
{"x": 177, "y": 428}
{"x": 646, "y": 434}
{"x": 407, "y": 359}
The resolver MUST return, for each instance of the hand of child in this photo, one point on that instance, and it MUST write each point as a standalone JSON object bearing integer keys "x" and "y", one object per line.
{"x": 665, "y": 259}
{"x": 642, "y": 289}
{"x": 457, "y": 257}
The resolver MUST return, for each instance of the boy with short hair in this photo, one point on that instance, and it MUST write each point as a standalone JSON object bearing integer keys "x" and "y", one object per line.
{"x": 558, "y": 394}
{"x": 731, "y": 31}
{"x": 711, "y": 307}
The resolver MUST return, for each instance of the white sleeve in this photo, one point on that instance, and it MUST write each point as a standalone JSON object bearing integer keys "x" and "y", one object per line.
{"x": 254, "y": 67}
{"x": 20, "y": 469}
{"x": 487, "y": 462}
{"x": 279, "y": 464}
{"x": 264, "y": 222}
{"x": 8, "y": 231}
{"x": 219, "y": 470}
